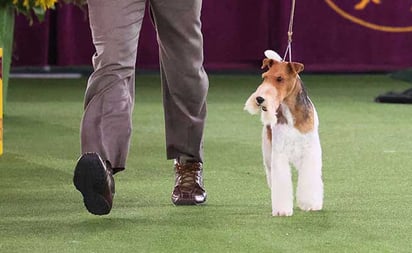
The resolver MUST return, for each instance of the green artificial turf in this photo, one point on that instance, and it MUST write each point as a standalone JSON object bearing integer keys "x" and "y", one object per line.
{"x": 367, "y": 153}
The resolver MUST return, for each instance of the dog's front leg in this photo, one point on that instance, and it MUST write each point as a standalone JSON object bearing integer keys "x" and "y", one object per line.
{"x": 267, "y": 152}
{"x": 309, "y": 191}
{"x": 282, "y": 190}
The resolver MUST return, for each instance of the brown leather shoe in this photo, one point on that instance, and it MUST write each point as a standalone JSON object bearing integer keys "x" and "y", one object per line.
{"x": 95, "y": 182}
{"x": 188, "y": 188}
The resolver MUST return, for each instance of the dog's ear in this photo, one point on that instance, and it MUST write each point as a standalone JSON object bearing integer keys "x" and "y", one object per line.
{"x": 267, "y": 63}
{"x": 296, "y": 67}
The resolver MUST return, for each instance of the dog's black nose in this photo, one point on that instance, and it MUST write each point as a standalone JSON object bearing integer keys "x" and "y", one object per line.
{"x": 259, "y": 100}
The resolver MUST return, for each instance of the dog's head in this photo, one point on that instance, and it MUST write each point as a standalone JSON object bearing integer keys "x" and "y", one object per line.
{"x": 278, "y": 82}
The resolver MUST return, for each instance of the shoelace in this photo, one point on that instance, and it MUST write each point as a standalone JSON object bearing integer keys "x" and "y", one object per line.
{"x": 188, "y": 174}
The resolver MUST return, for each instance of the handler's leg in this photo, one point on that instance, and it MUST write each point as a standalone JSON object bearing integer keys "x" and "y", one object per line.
{"x": 106, "y": 125}
{"x": 185, "y": 86}
{"x": 184, "y": 80}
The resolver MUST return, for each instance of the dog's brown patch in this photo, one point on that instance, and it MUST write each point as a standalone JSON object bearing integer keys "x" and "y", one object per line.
{"x": 301, "y": 108}
{"x": 283, "y": 76}
{"x": 269, "y": 133}
{"x": 281, "y": 118}
{"x": 267, "y": 63}
{"x": 292, "y": 91}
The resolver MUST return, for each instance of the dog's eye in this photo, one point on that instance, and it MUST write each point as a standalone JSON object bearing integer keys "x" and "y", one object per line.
{"x": 279, "y": 79}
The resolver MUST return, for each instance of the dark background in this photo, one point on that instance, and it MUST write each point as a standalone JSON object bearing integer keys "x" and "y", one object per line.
{"x": 236, "y": 32}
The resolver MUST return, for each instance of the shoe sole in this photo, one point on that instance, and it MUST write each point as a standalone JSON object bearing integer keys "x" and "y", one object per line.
{"x": 90, "y": 179}
{"x": 188, "y": 202}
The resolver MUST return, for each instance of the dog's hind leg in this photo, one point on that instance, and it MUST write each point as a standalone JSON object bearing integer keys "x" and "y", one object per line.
{"x": 267, "y": 151}
{"x": 282, "y": 189}
{"x": 309, "y": 191}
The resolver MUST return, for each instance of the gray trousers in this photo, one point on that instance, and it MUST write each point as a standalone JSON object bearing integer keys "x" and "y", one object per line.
{"x": 107, "y": 121}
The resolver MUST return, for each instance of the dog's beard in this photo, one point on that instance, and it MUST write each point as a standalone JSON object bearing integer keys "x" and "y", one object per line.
{"x": 268, "y": 112}
{"x": 267, "y": 109}
{"x": 251, "y": 106}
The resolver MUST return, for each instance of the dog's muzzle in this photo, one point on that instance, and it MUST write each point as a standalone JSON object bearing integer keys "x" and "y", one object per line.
{"x": 259, "y": 101}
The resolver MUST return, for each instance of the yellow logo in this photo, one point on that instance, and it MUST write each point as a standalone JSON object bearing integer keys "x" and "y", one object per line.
{"x": 362, "y": 5}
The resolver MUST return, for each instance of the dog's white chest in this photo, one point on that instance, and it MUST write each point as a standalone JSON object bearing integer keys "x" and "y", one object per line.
{"x": 288, "y": 140}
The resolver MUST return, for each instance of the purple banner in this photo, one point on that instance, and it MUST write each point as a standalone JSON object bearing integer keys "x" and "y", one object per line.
{"x": 353, "y": 35}
{"x": 328, "y": 35}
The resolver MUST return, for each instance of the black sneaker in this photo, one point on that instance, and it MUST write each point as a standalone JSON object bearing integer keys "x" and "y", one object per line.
{"x": 95, "y": 182}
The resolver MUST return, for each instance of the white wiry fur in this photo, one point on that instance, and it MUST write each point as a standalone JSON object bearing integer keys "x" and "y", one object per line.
{"x": 303, "y": 151}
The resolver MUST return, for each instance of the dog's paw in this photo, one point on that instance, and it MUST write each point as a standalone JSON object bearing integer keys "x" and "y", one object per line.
{"x": 282, "y": 212}
{"x": 306, "y": 206}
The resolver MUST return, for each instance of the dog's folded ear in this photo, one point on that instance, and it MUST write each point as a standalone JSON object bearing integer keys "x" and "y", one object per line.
{"x": 296, "y": 67}
{"x": 267, "y": 63}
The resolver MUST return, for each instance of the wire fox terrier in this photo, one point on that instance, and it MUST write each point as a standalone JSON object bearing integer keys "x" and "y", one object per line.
{"x": 289, "y": 136}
